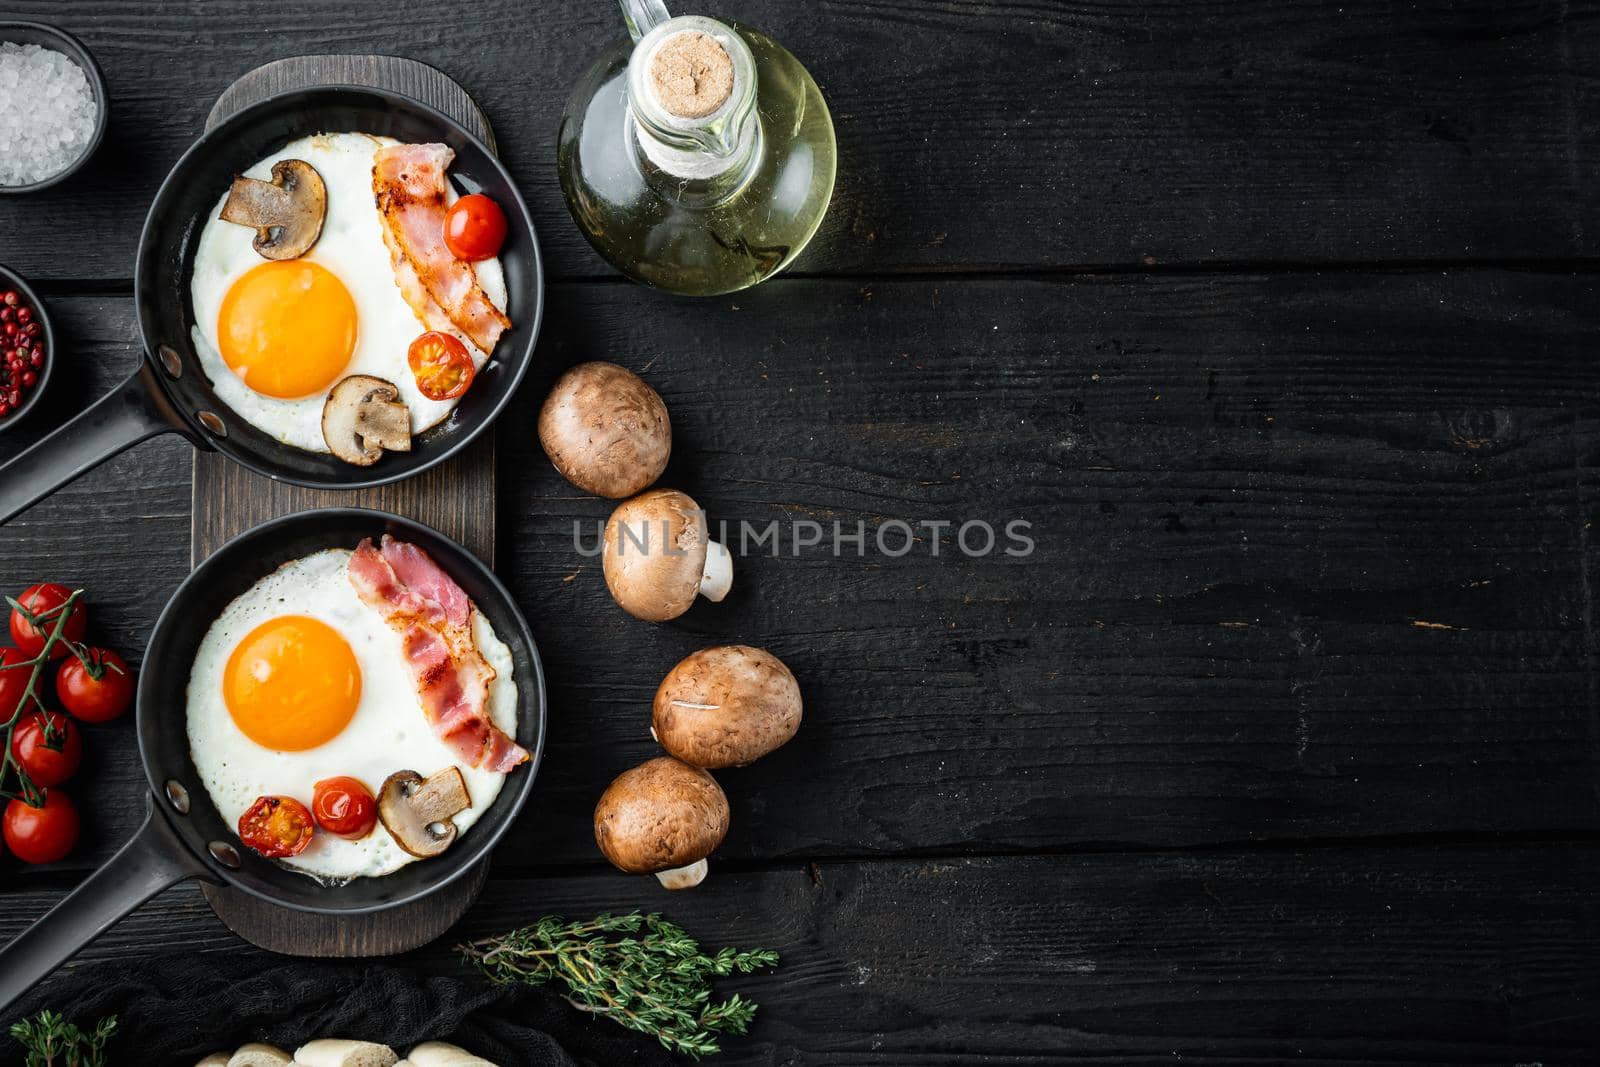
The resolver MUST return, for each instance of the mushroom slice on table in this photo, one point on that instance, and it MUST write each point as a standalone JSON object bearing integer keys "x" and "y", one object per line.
{"x": 664, "y": 818}
{"x": 658, "y": 556}
{"x": 439, "y": 1054}
{"x": 362, "y": 417}
{"x": 605, "y": 430}
{"x": 257, "y": 1054}
{"x": 286, "y": 212}
{"x": 726, "y": 706}
{"x": 337, "y": 1052}
{"x": 417, "y": 811}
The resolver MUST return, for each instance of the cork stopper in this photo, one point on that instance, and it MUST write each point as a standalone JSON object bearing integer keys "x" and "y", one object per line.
{"x": 691, "y": 75}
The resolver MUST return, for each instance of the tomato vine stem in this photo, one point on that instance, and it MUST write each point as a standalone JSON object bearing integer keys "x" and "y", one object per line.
{"x": 25, "y": 790}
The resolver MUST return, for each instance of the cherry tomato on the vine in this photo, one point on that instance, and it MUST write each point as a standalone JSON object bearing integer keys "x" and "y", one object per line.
{"x": 44, "y": 601}
{"x": 474, "y": 228}
{"x": 276, "y": 827}
{"x": 13, "y": 681}
{"x": 48, "y": 746}
{"x": 344, "y": 806}
{"x": 441, "y": 365}
{"x": 43, "y": 834}
{"x": 96, "y": 699}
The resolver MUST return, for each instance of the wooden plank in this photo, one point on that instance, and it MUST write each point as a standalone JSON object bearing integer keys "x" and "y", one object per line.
{"x": 975, "y": 135}
{"x": 408, "y": 76}
{"x": 451, "y": 498}
{"x": 228, "y": 500}
{"x": 1326, "y": 956}
{"x": 1309, "y": 558}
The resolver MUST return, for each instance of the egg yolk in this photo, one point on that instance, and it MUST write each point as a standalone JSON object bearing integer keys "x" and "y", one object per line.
{"x": 292, "y": 683}
{"x": 287, "y": 328}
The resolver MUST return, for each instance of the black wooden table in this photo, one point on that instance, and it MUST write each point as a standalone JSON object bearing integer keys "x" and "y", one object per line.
{"x": 1277, "y": 323}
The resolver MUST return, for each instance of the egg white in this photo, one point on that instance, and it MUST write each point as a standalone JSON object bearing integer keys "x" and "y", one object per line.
{"x": 352, "y": 247}
{"x": 389, "y": 731}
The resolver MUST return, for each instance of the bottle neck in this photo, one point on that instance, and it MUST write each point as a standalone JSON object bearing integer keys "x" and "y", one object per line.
{"x": 642, "y": 16}
{"x": 700, "y": 147}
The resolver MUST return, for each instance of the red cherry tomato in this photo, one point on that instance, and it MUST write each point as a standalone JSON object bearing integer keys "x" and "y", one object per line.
{"x": 45, "y": 601}
{"x": 344, "y": 806}
{"x": 474, "y": 228}
{"x": 441, "y": 365}
{"x": 48, "y": 746}
{"x": 13, "y": 681}
{"x": 96, "y": 699}
{"x": 276, "y": 827}
{"x": 43, "y": 834}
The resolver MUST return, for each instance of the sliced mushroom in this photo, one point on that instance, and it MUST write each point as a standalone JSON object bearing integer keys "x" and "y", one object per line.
{"x": 363, "y": 416}
{"x": 286, "y": 212}
{"x": 416, "y": 810}
{"x": 337, "y": 1052}
{"x": 256, "y": 1054}
{"x": 664, "y": 817}
{"x": 439, "y": 1054}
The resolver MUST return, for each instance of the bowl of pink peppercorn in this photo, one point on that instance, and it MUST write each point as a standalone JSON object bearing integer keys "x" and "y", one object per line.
{"x": 27, "y": 349}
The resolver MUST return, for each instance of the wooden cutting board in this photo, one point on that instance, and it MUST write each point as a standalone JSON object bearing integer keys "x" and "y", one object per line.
{"x": 455, "y": 498}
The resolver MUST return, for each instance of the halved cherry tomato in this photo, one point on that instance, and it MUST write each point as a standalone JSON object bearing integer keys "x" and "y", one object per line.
{"x": 13, "y": 681}
{"x": 45, "y": 601}
{"x": 474, "y": 228}
{"x": 441, "y": 365}
{"x": 43, "y": 834}
{"x": 276, "y": 827}
{"x": 48, "y": 746}
{"x": 344, "y": 806}
{"x": 96, "y": 699}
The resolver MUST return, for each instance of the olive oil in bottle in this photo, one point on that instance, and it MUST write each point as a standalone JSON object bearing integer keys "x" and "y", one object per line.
{"x": 699, "y": 157}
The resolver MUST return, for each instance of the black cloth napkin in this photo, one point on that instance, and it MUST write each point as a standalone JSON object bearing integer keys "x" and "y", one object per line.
{"x": 175, "y": 1009}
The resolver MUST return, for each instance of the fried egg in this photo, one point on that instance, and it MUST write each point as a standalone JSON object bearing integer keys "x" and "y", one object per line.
{"x": 299, "y": 680}
{"x": 274, "y": 336}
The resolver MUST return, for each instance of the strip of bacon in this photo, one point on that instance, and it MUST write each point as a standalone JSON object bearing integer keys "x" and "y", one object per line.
{"x": 380, "y": 587}
{"x": 433, "y": 616}
{"x": 417, "y": 570}
{"x": 415, "y": 293}
{"x": 409, "y": 184}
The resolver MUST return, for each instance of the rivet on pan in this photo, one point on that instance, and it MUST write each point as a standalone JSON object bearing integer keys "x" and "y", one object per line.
{"x": 212, "y": 423}
{"x": 170, "y": 360}
{"x": 177, "y": 796}
{"x": 224, "y": 854}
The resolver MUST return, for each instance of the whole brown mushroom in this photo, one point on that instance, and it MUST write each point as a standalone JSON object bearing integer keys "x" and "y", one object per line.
{"x": 663, "y": 818}
{"x": 726, "y": 707}
{"x": 658, "y": 556}
{"x": 605, "y": 430}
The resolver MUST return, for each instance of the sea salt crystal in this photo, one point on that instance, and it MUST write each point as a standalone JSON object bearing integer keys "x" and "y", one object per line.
{"x": 47, "y": 113}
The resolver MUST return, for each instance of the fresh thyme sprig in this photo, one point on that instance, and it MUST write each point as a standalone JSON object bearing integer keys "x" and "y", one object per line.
{"x": 56, "y": 619}
{"x": 658, "y": 983}
{"x": 51, "y": 1041}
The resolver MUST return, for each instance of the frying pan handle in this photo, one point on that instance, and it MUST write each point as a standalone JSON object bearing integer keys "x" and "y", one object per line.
{"x": 155, "y": 859}
{"x": 135, "y": 411}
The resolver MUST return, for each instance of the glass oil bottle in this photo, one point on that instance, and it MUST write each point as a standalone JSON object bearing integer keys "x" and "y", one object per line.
{"x": 699, "y": 157}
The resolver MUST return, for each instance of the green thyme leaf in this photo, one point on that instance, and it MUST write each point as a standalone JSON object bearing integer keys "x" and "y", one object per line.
{"x": 640, "y": 971}
{"x": 51, "y": 1041}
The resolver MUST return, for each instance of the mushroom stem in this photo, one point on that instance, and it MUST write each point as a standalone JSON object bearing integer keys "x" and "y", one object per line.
{"x": 684, "y": 877}
{"x": 718, "y": 576}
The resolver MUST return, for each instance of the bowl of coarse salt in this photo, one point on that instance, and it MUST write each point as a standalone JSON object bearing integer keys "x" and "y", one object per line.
{"x": 52, "y": 106}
